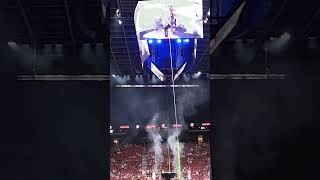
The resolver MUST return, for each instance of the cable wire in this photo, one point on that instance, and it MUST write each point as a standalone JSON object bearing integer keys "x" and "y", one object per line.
{"x": 174, "y": 105}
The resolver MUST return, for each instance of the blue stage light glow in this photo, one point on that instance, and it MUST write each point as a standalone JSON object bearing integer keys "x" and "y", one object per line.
{"x": 178, "y": 40}
{"x": 186, "y": 40}
{"x": 159, "y": 41}
{"x": 150, "y": 41}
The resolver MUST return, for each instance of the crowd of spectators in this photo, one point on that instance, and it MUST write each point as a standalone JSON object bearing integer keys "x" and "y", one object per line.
{"x": 126, "y": 161}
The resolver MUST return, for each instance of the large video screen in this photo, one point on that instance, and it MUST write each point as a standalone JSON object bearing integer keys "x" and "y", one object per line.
{"x": 158, "y": 19}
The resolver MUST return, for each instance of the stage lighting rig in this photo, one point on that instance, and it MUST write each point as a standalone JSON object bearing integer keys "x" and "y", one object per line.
{"x": 118, "y": 17}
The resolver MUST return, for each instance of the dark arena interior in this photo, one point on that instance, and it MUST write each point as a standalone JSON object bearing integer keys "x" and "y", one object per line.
{"x": 160, "y": 89}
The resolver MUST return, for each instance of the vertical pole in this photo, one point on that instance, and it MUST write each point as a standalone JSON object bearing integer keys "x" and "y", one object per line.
{"x": 169, "y": 157}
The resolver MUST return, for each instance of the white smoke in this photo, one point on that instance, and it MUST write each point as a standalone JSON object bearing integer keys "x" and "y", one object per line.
{"x": 187, "y": 103}
{"x": 156, "y": 139}
{"x": 172, "y": 142}
{"x": 188, "y": 100}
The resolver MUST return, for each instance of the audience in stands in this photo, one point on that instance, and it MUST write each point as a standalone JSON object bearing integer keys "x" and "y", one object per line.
{"x": 126, "y": 161}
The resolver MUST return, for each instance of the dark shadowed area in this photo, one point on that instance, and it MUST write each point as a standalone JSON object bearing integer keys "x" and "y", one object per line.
{"x": 138, "y": 105}
{"x": 268, "y": 129}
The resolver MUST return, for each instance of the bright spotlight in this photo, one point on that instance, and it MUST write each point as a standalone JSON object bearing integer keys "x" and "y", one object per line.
{"x": 12, "y": 44}
{"x": 205, "y": 21}
{"x": 279, "y": 44}
{"x": 118, "y": 13}
{"x": 208, "y": 13}
{"x": 113, "y": 75}
{"x": 137, "y": 126}
{"x": 150, "y": 41}
{"x": 159, "y": 41}
{"x": 185, "y": 40}
{"x": 119, "y": 21}
{"x": 178, "y": 40}
{"x": 286, "y": 36}
{"x": 196, "y": 75}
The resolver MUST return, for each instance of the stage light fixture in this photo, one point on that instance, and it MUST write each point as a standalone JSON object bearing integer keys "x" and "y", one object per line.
{"x": 178, "y": 40}
{"x": 186, "y": 40}
{"x": 159, "y": 41}
{"x": 118, "y": 13}
{"x": 119, "y": 21}
{"x": 272, "y": 38}
{"x": 137, "y": 126}
{"x": 205, "y": 21}
{"x": 150, "y": 41}
{"x": 186, "y": 78}
{"x": 286, "y": 36}
{"x": 12, "y": 44}
{"x": 196, "y": 75}
{"x": 113, "y": 75}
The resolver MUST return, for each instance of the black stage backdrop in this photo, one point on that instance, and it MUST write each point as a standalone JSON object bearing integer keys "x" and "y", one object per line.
{"x": 53, "y": 130}
{"x": 268, "y": 129}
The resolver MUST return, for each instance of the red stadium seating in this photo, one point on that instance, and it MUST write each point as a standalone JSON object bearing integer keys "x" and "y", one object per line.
{"x": 126, "y": 161}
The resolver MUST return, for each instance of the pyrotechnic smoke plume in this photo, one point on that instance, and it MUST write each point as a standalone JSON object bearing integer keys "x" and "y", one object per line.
{"x": 156, "y": 138}
{"x": 172, "y": 143}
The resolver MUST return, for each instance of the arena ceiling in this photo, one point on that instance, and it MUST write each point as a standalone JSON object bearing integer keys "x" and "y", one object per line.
{"x": 37, "y": 22}
{"x": 124, "y": 46}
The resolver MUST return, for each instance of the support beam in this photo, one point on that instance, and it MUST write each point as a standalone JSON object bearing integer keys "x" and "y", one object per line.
{"x": 108, "y": 77}
{"x": 66, "y": 6}
{"x": 63, "y": 78}
{"x": 247, "y": 76}
{"x": 156, "y": 86}
{"x": 226, "y": 29}
{"x": 31, "y": 33}
{"x": 309, "y": 25}
{"x": 115, "y": 61}
{"x": 125, "y": 37}
{"x": 27, "y": 24}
